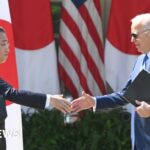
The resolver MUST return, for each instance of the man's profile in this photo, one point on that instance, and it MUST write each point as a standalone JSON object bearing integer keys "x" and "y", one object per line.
{"x": 27, "y": 98}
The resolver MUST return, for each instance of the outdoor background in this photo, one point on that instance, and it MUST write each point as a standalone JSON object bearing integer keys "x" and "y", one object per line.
{"x": 105, "y": 130}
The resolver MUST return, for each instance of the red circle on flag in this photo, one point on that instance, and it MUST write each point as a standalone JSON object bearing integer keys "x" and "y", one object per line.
{"x": 8, "y": 70}
{"x": 32, "y": 23}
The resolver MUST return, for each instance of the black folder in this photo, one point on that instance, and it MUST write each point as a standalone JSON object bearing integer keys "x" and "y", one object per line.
{"x": 139, "y": 88}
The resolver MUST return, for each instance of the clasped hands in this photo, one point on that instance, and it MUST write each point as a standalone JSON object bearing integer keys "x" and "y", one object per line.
{"x": 84, "y": 102}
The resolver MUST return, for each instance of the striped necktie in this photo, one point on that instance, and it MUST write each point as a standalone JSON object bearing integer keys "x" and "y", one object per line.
{"x": 145, "y": 63}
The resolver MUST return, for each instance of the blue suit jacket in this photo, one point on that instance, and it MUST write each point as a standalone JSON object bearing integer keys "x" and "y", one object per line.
{"x": 27, "y": 98}
{"x": 142, "y": 125}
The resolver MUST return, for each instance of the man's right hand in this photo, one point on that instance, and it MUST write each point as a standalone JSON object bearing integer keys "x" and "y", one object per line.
{"x": 60, "y": 103}
{"x": 84, "y": 102}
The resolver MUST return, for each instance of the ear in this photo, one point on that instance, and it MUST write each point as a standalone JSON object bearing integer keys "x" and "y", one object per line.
{"x": 149, "y": 33}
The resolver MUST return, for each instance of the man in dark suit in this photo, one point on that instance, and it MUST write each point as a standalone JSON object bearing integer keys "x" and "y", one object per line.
{"x": 27, "y": 98}
{"x": 140, "y": 35}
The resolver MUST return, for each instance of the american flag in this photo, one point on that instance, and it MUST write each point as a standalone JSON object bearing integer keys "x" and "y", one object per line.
{"x": 81, "y": 56}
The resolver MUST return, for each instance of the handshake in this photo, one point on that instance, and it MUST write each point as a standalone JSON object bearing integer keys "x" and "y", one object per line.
{"x": 84, "y": 102}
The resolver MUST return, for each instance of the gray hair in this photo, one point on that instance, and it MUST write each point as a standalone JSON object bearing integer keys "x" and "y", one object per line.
{"x": 143, "y": 19}
{"x": 2, "y": 29}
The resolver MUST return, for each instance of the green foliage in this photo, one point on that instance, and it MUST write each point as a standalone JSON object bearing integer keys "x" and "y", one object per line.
{"x": 100, "y": 131}
{"x": 56, "y": 7}
{"x": 56, "y": 15}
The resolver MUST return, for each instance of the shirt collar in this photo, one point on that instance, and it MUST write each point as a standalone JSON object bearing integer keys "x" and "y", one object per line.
{"x": 148, "y": 54}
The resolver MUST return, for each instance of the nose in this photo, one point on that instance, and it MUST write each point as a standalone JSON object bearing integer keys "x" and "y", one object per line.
{"x": 7, "y": 48}
{"x": 133, "y": 39}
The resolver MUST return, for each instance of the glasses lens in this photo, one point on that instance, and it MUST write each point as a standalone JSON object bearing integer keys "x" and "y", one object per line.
{"x": 134, "y": 35}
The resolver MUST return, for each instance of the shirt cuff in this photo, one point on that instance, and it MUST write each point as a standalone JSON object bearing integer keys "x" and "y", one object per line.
{"x": 48, "y": 102}
{"x": 95, "y": 102}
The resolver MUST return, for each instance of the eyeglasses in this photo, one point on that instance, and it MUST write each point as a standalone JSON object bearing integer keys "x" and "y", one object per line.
{"x": 135, "y": 35}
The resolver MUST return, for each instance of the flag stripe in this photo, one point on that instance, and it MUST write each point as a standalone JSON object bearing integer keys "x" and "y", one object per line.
{"x": 75, "y": 63}
{"x": 86, "y": 36}
{"x": 73, "y": 76}
{"x": 91, "y": 66}
{"x": 96, "y": 18}
{"x": 82, "y": 36}
{"x": 68, "y": 80}
{"x": 78, "y": 21}
{"x": 91, "y": 29}
{"x": 97, "y": 6}
{"x": 74, "y": 46}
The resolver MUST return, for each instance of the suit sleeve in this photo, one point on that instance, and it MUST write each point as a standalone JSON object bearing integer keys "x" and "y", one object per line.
{"x": 112, "y": 100}
{"x": 116, "y": 99}
{"x": 27, "y": 98}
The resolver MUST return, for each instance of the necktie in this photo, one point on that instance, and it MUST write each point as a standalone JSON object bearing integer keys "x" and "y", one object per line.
{"x": 145, "y": 63}
{"x": 3, "y": 112}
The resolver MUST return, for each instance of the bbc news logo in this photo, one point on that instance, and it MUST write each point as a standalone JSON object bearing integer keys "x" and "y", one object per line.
{"x": 10, "y": 133}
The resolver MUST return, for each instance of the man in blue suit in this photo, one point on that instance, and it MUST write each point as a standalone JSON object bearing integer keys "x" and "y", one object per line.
{"x": 27, "y": 98}
{"x": 140, "y": 36}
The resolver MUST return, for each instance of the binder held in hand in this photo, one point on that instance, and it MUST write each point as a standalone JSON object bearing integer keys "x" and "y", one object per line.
{"x": 139, "y": 89}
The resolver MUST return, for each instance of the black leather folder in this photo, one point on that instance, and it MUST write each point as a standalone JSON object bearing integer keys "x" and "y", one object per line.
{"x": 139, "y": 88}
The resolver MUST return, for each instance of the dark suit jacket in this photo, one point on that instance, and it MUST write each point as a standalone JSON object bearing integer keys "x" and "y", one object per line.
{"x": 141, "y": 125}
{"x": 27, "y": 98}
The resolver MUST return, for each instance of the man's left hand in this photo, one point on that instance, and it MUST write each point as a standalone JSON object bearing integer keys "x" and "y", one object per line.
{"x": 143, "y": 109}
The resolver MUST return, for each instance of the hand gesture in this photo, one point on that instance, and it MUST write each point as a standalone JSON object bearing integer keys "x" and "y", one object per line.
{"x": 84, "y": 102}
{"x": 143, "y": 109}
{"x": 60, "y": 103}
